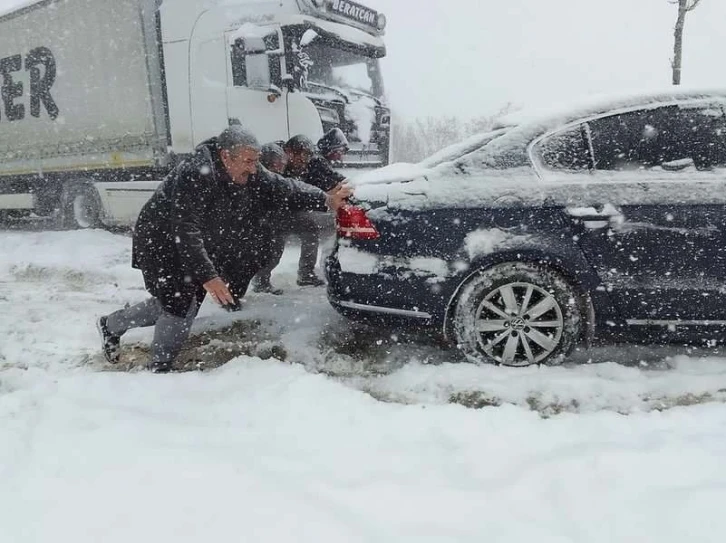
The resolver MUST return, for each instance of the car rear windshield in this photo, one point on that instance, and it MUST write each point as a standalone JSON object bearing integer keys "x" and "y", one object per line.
{"x": 458, "y": 150}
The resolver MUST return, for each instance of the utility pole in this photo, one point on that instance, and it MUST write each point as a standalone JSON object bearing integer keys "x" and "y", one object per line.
{"x": 684, "y": 6}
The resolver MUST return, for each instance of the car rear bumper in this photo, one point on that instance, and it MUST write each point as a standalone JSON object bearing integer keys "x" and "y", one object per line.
{"x": 377, "y": 297}
{"x": 382, "y": 310}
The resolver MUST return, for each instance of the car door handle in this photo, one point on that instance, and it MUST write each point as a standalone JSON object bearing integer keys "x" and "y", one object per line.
{"x": 592, "y": 219}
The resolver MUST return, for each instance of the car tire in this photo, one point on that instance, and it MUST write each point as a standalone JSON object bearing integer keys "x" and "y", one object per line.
{"x": 80, "y": 207}
{"x": 517, "y": 314}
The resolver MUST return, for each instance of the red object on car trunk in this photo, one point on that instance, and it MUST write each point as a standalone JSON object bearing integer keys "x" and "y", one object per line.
{"x": 353, "y": 223}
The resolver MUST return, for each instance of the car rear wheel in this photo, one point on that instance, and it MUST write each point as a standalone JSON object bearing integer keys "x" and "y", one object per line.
{"x": 517, "y": 314}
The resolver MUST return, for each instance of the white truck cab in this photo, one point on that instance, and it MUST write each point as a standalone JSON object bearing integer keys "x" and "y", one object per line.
{"x": 281, "y": 67}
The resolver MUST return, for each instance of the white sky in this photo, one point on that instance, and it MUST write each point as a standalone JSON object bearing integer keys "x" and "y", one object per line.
{"x": 481, "y": 54}
{"x": 470, "y": 57}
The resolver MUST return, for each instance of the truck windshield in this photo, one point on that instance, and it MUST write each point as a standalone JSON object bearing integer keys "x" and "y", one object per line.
{"x": 320, "y": 62}
{"x": 343, "y": 80}
{"x": 336, "y": 68}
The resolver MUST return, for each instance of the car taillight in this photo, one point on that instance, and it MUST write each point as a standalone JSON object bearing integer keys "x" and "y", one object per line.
{"x": 353, "y": 223}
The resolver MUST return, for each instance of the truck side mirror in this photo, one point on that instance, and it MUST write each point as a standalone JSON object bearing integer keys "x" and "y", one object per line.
{"x": 308, "y": 37}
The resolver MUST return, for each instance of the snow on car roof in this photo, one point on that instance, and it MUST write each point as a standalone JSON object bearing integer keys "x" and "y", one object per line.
{"x": 510, "y": 150}
{"x": 506, "y": 147}
{"x": 599, "y": 103}
{"x": 500, "y": 171}
{"x": 16, "y": 5}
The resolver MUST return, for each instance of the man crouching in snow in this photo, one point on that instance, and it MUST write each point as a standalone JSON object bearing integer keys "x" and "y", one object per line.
{"x": 203, "y": 232}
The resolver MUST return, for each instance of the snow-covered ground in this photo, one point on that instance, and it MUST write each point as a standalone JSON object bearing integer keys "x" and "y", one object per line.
{"x": 358, "y": 435}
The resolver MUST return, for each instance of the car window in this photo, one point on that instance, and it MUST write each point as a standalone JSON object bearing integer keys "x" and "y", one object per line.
{"x": 566, "y": 150}
{"x": 671, "y": 136}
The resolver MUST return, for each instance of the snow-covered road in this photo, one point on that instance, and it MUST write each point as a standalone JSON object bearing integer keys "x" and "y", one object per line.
{"x": 359, "y": 435}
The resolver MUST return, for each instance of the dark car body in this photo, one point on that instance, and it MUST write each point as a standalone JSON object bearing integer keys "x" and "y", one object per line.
{"x": 625, "y": 200}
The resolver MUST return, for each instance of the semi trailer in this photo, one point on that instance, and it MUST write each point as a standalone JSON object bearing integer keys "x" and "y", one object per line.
{"x": 102, "y": 98}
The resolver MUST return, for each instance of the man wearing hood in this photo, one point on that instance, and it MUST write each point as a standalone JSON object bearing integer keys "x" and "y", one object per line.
{"x": 204, "y": 232}
{"x": 332, "y": 148}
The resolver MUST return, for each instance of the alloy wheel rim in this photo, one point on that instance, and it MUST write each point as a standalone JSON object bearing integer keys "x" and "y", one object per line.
{"x": 519, "y": 324}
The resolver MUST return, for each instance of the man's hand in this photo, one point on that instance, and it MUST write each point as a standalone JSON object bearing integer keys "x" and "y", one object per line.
{"x": 336, "y": 197}
{"x": 219, "y": 291}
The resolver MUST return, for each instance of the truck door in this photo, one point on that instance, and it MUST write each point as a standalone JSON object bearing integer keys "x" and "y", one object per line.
{"x": 254, "y": 95}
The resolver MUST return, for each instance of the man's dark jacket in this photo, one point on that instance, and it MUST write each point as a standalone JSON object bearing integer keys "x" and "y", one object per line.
{"x": 199, "y": 225}
{"x": 318, "y": 173}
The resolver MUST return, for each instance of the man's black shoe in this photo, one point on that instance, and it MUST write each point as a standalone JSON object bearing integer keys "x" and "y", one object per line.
{"x": 110, "y": 344}
{"x": 267, "y": 288}
{"x": 310, "y": 281}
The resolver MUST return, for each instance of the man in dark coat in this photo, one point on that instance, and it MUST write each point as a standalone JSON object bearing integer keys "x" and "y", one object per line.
{"x": 299, "y": 150}
{"x": 274, "y": 158}
{"x": 332, "y": 147}
{"x": 313, "y": 169}
{"x": 204, "y": 232}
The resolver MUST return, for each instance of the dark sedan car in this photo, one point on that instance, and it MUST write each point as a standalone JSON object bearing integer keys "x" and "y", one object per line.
{"x": 522, "y": 243}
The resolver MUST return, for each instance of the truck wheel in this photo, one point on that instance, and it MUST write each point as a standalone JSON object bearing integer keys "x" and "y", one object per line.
{"x": 517, "y": 314}
{"x": 81, "y": 206}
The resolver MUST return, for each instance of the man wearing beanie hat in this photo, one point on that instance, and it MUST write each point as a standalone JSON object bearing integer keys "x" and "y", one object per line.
{"x": 203, "y": 232}
{"x": 333, "y": 145}
{"x": 273, "y": 157}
